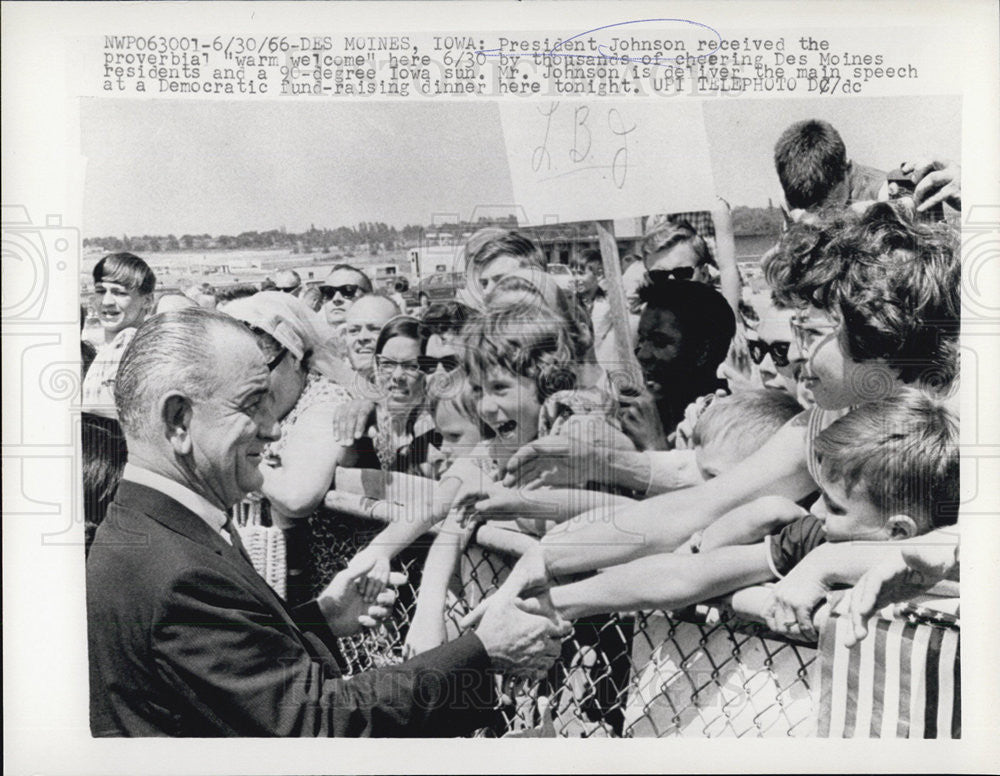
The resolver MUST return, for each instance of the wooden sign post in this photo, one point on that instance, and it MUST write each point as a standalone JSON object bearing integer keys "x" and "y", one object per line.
{"x": 629, "y": 374}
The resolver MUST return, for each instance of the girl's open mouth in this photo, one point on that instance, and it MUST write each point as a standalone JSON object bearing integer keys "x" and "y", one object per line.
{"x": 506, "y": 429}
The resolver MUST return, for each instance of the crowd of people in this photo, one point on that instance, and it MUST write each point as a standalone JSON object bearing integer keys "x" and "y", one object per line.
{"x": 711, "y": 441}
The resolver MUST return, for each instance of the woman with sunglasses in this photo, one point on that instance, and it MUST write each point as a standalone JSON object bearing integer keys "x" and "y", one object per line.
{"x": 775, "y": 351}
{"x": 307, "y": 387}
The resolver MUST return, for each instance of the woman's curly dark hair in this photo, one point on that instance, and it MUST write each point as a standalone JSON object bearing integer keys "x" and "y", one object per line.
{"x": 900, "y": 293}
{"x": 798, "y": 269}
{"x": 894, "y": 282}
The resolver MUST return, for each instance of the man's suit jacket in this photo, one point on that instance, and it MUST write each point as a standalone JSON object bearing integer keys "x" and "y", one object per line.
{"x": 187, "y": 640}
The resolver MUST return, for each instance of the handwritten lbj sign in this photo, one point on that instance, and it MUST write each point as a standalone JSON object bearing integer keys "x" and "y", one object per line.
{"x": 573, "y": 160}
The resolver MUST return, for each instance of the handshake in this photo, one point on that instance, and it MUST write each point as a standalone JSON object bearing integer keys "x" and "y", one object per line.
{"x": 521, "y": 634}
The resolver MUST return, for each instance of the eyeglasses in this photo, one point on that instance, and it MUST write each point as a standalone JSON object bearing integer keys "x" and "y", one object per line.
{"x": 289, "y": 290}
{"x": 680, "y": 273}
{"x": 778, "y": 350}
{"x": 429, "y": 364}
{"x": 808, "y": 329}
{"x": 348, "y": 291}
{"x": 387, "y": 366}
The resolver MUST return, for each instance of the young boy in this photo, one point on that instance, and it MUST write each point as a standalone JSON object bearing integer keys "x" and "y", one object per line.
{"x": 734, "y": 427}
{"x": 815, "y": 172}
{"x": 889, "y": 471}
{"x": 461, "y": 431}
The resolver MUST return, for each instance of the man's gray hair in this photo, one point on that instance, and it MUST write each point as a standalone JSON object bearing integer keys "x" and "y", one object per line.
{"x": 170, "y": 351}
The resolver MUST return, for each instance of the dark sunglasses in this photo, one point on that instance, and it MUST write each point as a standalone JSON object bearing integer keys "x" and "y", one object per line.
{"x": 429, "y": 364}
{"x": 289, "y": 290}
{"x": 273, "y": 363}
{"x": 680, "y": 273}
{"x": 348, "y": 291}
{"x": 777, "y": 349}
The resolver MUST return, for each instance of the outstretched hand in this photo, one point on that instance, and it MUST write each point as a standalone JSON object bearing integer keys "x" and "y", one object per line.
{"x": 528, "y": 575}
{"x": 937, "y": 181}
{"x": 523, "y": 637}
{"x": 351, "y": 421}
{"x": 345, "y": 608}
{"x": 906, "y": 572}
{"x": 371, "y": 570}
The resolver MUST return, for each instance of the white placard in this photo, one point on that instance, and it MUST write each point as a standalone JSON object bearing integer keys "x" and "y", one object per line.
{"x": 573, "y": 160}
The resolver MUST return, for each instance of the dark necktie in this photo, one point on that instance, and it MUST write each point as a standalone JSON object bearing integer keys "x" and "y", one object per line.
{"x": 234, "y": 536}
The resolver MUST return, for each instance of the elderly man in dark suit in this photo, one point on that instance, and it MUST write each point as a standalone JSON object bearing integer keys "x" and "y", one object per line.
{"x": 185, "y": 638}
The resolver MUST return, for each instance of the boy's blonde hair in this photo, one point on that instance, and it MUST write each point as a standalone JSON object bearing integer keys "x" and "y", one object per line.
{"x": 904, "y": 450}
{"x": 744, "y": 421}
{"x": 527, "y": 340}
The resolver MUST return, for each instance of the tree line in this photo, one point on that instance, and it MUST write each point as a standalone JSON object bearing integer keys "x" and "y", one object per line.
{"x": 368, "y": 235}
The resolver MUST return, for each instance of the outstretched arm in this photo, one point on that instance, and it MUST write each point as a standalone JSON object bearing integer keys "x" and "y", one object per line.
{"x": 556, "y": 504}
{"x": 725, "y": 255}
{"x": 881, "y": 572}
{"x": 746, "y": 524}
{"x": 663, "y": 582}
{"x": 427, "y": 628}
{"x": 408, "y": 522}
{"x": 592, "y": 541}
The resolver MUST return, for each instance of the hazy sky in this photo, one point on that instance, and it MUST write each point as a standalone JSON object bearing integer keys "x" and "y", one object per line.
{"x": 159, "y": 167}
{"x": 880, "y": 132}
{"x": 223, "y": 167}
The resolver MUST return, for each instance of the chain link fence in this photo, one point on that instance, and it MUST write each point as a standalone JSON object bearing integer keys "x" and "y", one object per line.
{"x": 699, "y": 672}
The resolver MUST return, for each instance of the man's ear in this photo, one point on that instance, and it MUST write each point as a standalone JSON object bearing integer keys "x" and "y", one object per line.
{"x": 175, "y": 414}
{"x": 902, "y": 527}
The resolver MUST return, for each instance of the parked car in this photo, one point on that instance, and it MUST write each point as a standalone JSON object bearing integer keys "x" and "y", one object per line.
{"x": 563, "y": 277}
{"x": 438, "y": 287}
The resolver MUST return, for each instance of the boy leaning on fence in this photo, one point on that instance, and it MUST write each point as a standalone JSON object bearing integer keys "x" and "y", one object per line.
{"x": 889, "y": 471}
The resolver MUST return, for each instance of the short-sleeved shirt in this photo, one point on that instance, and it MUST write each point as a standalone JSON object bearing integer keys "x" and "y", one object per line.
{"x": 796, "y": 540}
{"x": 99, "y": 384}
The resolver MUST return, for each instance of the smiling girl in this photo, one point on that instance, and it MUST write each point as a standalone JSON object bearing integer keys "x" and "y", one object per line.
{"x": 516, "y": 359}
